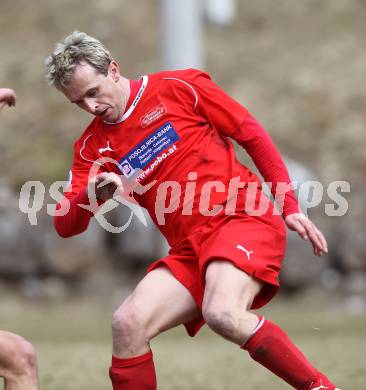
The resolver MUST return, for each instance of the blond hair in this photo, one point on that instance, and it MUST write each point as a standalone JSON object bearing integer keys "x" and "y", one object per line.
{"x": 74, "y": 49}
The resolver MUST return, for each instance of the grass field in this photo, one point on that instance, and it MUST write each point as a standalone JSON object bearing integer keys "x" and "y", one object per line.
{"x": 73, "y": 344}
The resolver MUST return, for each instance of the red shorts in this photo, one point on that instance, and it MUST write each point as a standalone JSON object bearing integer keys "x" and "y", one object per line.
{"x": 254, "y": 244}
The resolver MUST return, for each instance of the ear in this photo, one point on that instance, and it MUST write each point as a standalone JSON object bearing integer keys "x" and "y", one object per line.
{"x": 113, "y": 70}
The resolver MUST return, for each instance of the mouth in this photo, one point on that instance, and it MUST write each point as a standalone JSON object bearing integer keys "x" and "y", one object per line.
{"x": 103, "y": 113}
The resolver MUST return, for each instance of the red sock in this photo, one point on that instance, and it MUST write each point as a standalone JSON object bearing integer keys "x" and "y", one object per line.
{"x": 271, "y": 347}
{"x": 136, "y": 373}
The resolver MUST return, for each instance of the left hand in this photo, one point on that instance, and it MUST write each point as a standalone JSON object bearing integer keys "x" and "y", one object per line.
{"x": 307, "y": 230}
{"x": 105, "y": 186}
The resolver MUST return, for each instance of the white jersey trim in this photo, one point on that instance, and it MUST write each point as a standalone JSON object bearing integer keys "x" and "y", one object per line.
{"x": 145, "y": 80}
{"x": 259, "y": 325}
{"x": 83, "y": 147}
{"x": 189, "y": 85}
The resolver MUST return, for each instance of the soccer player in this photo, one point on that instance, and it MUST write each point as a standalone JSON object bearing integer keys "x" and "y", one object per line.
{"x": 18, "y": 362}
{"x": 169, "y": 132}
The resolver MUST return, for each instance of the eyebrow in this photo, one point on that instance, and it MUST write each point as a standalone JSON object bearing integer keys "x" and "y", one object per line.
{"x": 75, "y": 101}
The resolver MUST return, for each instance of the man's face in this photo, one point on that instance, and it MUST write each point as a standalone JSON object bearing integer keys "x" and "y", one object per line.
{"x": 95, "y": 93}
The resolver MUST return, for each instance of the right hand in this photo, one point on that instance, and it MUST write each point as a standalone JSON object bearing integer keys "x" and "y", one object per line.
{"x": 7, "y": 97}
{"x": 307, "y": 230}
{"x": 105, "y": 186}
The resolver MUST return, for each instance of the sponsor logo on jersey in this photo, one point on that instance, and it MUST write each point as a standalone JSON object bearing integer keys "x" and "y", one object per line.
{"x": 153, "y": 115}
{"x": 126, "y": 168}
{"x": 150, "y": 150}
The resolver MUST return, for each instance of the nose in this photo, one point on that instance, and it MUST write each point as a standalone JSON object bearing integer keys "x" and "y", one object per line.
{"x": 91, "y": 105}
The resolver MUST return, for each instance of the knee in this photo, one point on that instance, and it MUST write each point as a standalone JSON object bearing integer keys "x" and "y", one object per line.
{"x": 23, "y": 360}
{"x": 124, "y": 321}
{"x": 128, "y": 323}
{"x": 229, "y": 323}
{"x": 220, "y": 321}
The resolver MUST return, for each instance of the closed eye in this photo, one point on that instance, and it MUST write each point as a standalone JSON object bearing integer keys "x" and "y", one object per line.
{"x": 92, "y": 92}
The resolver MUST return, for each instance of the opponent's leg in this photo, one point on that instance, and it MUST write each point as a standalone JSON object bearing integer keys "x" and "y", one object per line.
{"x": 229, "y": 293}
{"x": 18, "y": 362}
{"x": 158, "y": 303}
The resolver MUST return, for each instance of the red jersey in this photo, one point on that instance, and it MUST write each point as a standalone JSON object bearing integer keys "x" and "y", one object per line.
{"x": 175, "y": 132}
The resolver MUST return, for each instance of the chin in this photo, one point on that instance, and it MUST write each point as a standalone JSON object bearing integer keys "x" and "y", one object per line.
{"x": 111, "y": 118}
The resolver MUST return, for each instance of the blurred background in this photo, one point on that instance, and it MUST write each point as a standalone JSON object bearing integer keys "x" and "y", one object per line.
{"x": 297, "y": 66}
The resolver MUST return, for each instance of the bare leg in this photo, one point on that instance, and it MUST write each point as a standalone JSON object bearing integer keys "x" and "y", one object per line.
{"x": 158, "y": 303}
{"x": 228, "y": 296}
{"x": 18, "y": 363}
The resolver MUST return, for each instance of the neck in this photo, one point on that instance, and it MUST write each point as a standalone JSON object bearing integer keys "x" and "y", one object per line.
{"x": 124, "y": 85}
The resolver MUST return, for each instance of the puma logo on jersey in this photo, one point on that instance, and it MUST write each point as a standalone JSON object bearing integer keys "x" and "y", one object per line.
{"x": 319, "y": 387}
{"x": 248, "y": 253}
{"x": 107, "y": 149}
